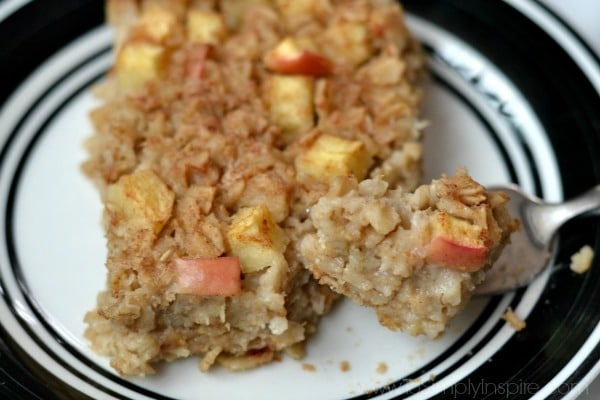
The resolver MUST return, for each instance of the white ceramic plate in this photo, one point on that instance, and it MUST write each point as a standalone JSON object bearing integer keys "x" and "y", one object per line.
{"x": 514, "y": 96}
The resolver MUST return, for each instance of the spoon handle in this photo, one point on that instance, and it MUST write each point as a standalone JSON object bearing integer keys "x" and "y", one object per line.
{"x": 548, "y": 218}
{"x": 586, "y": 203}
{"x": 593, "y": 210}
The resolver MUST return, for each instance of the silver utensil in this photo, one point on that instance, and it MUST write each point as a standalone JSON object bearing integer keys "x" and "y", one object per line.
{"x": 532, "y": 246}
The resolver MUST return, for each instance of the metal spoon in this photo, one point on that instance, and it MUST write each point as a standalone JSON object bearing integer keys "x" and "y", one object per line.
{"x": 532, "y": 246}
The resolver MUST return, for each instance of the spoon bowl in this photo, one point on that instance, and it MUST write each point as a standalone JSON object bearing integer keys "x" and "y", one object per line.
{"x": 531, "y": 248}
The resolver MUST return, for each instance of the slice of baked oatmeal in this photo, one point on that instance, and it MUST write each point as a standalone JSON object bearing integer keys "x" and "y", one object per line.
{"x": 414, "y": 257}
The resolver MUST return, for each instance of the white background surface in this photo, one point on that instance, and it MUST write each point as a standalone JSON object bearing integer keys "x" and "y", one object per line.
{"x": 582, "y": 15}
{"x": 584, "y": 18}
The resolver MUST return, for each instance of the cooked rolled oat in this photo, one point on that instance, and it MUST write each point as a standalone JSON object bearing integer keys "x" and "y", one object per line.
{"x": 221, "y": 123}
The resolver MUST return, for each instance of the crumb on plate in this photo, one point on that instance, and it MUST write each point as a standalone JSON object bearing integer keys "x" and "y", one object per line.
{"x": 582, "y": 260}
{"x": 382, "y": 368}
{"x": 308, "y": 367}
{"x": 344, "y": 366}
{"x": 514, "y": 320}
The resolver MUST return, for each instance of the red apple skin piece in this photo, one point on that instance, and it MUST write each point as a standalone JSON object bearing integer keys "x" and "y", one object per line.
{"x": 210, "y": 276}
{"x": 304, "y": 63}
{"x": 450, "y": 253}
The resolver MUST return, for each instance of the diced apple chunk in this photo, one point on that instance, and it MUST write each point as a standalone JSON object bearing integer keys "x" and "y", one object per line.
{"x": 214, "y": 276}
{"x": 456, "y": 243}
{"x": 289, "y": 58}
{"x": 205, "y": 27}
{"x": 255, "y": 239}
{"x": 331, "y": 156}
{"x": 140, "y": 200}
{"x": 156, "y": 22}
{"x": 290, "y": 101}
{"x": 139, "y": 62}
{"x": 347, "y": 43}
